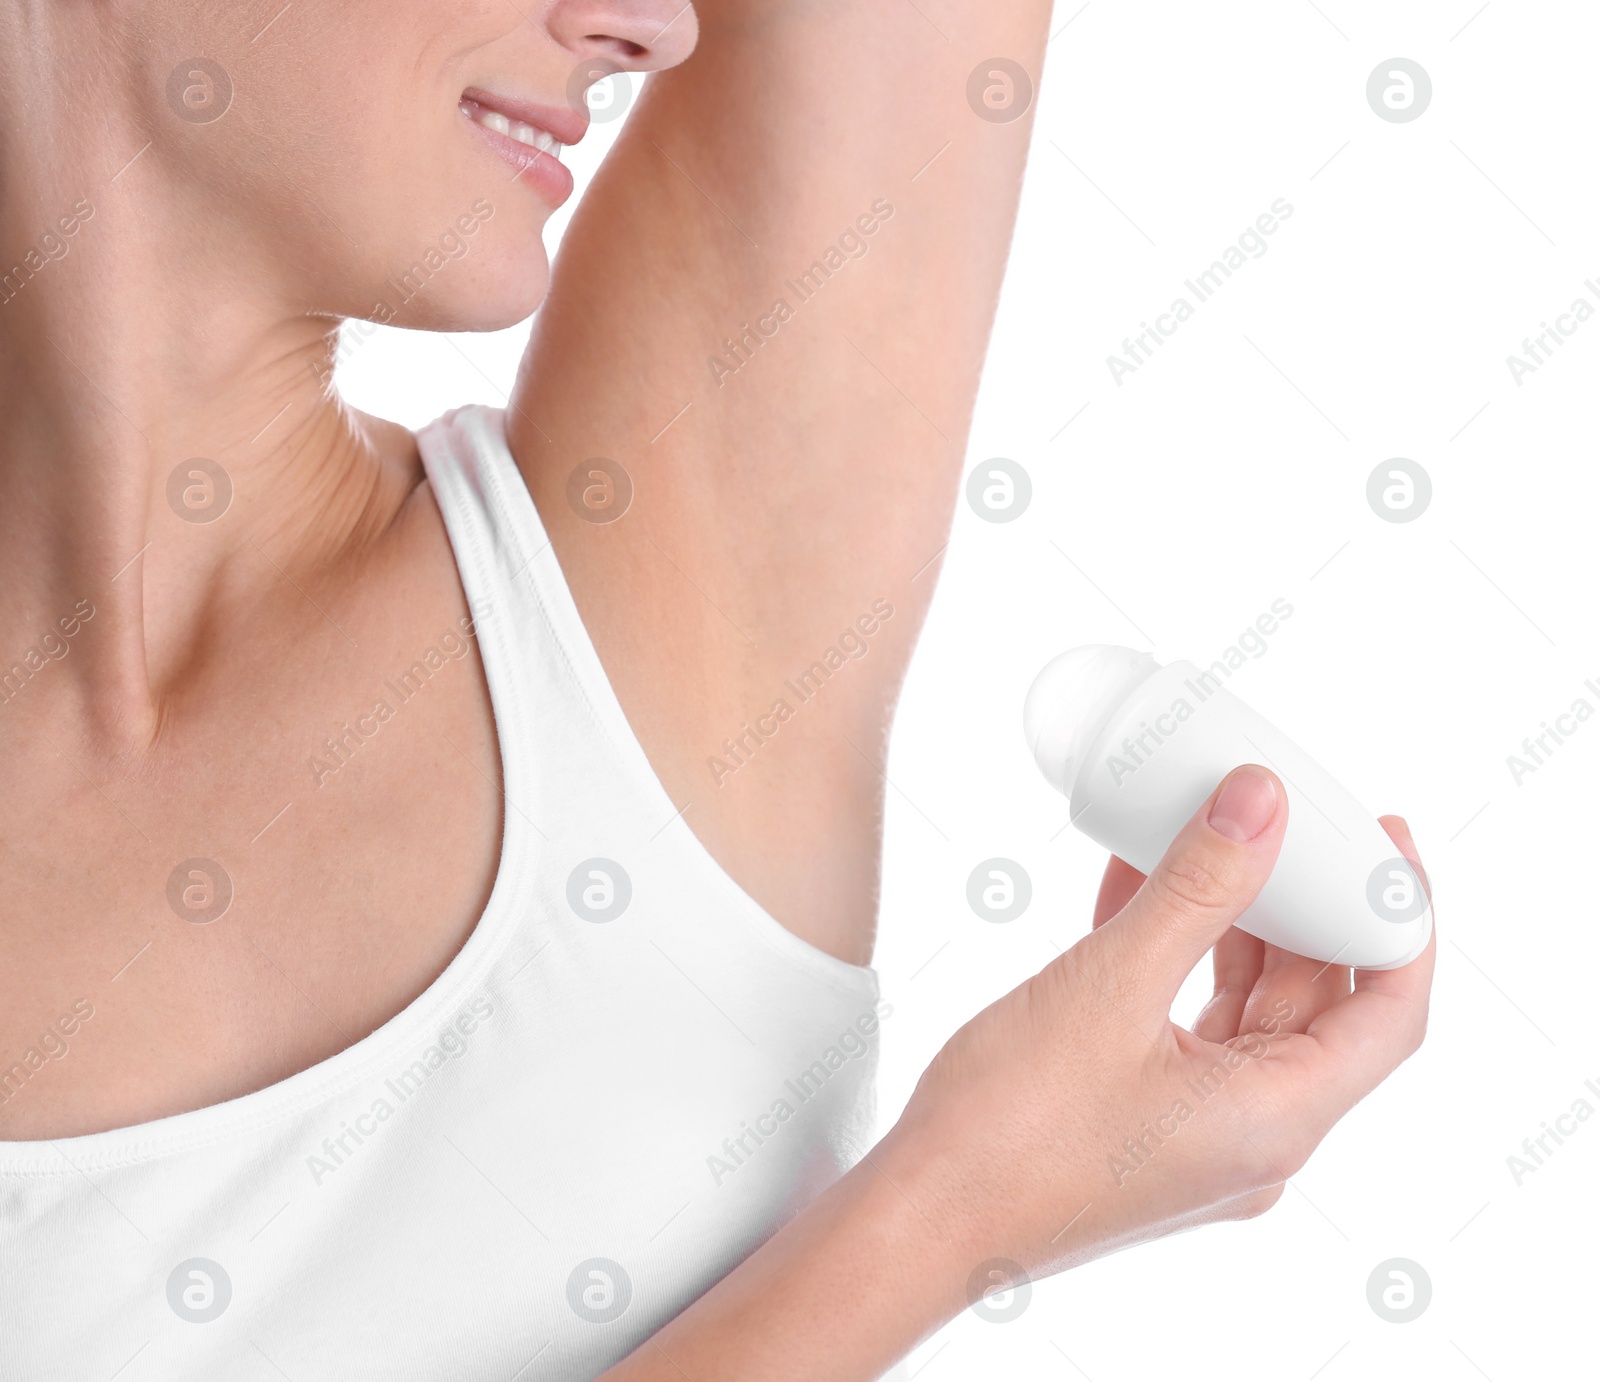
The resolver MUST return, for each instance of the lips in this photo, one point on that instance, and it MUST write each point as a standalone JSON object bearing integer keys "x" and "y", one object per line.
{"x": 530, "y": 137}
{"x": 525, "y": 120}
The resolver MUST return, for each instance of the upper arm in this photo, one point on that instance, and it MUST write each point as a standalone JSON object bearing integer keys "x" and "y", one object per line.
{"x": 771, "y": 310}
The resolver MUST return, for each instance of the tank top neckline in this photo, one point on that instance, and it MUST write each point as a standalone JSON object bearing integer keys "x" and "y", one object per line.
{"x": 497, "y": 536}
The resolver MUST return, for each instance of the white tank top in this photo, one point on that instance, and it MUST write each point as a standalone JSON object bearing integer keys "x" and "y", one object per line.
{"x": 627, "y": 1079}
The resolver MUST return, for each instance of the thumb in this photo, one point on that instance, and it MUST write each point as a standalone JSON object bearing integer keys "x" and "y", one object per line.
{"x": 1209, "y": 875}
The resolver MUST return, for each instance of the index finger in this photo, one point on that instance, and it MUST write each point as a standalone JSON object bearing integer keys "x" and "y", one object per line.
{"x": 1117, "y": 887}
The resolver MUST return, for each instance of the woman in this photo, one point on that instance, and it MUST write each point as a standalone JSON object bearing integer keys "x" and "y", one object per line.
{"x": 455, "y": 908}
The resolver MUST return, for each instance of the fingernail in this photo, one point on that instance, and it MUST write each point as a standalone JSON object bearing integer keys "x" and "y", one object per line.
{"x": 1246, "y": 804}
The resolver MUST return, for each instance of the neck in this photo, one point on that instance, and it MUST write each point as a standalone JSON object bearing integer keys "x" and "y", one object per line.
{"x": 129, "y": 349}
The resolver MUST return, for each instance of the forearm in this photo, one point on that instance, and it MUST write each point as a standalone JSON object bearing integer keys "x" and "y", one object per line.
{"x": 838, "y": 1295}
{"x": 796, "y": 116}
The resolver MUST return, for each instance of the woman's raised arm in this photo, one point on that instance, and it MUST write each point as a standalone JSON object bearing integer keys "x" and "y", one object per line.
{"x": 770, "y": 311}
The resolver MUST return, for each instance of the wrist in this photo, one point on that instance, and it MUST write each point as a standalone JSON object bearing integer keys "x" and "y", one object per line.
{"x": 911, "y": 1198}
{"x": 992, "y": 1205}
{"x": 941, "y": 1183}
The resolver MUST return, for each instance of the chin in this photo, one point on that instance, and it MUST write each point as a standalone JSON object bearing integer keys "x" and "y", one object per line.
{"x": 487, "y": 288}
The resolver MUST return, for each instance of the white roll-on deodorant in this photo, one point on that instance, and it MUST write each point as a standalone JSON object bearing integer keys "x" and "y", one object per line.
{"x": 1137, "y": 747}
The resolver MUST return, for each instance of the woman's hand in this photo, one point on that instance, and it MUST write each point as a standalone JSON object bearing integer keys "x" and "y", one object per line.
{"x": 1073, "y": 1117}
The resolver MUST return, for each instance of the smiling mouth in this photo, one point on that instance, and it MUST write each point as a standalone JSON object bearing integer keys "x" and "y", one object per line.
{"x": 532, "y": 136}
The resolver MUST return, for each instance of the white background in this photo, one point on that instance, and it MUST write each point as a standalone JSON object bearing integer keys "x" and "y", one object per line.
{"x": 1172, "y": 510}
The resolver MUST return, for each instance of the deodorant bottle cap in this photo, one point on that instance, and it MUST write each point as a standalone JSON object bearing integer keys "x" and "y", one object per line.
{"x": 1071, "y": 701}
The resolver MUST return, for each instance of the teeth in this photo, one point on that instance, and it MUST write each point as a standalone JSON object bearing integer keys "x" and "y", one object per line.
{"x": 535, "y": 138}
{"x": 530, "y": 135}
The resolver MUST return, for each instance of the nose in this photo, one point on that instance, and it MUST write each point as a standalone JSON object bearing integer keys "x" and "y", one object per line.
{"x": 626, "y": 35}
